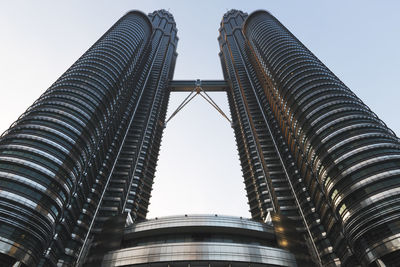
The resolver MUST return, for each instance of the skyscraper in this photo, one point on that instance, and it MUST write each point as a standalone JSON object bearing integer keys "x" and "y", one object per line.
{"x": 320, "y": 168}
{"x": 310, "y": 149}
{"x": 87, "y": 148}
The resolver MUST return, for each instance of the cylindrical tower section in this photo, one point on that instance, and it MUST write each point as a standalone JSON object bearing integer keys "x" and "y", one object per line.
{"x": 198, "y": 240}
{"x": 260, "y": 192}
{"x": 156, "y": 110}
{"x": 131, "y": 181}
{"x": 274, "y": 187}
{"x": 351, "y": 153}
{"x": 46, "y": 155}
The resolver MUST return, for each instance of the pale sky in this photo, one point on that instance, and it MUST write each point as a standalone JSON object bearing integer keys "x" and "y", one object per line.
{"x": 198, "y": 169}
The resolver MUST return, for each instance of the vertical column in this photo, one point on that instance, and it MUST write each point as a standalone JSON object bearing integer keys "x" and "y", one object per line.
{"x": 348, "y": 157}
{"x": 131, "y": 180}
{"x": 55, "y": 159}
{"x": 261, "y": 148}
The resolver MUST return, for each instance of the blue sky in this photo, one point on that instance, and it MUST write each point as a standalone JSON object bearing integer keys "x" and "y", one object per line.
{"x": 198, "y": 170}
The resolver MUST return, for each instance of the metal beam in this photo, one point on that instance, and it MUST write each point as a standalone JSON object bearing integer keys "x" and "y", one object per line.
{"x": 206, "y": 85}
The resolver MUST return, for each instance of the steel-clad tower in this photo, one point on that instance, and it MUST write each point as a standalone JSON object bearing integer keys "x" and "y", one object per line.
{"x": 311, "y": 151}
{"x": 87, "y": 148}
{"x": 321, "y": 170}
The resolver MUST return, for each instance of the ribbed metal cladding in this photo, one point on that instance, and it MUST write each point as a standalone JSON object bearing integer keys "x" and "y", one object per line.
{"x": 130, "y": 181}
{"x": 156, "y": 109}
{"x": 132, "y": 178}
{"x": 55, "y": 159}
{"x": 260, "y": 196}
{"x": 272, "y": 181}
{"x": 348, "y": 158}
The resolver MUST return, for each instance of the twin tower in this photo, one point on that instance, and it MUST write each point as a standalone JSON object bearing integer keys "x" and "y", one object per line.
{"x": 321, "y": 170}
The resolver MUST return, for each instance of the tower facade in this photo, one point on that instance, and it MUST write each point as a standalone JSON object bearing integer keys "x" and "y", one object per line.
{"x": 321, "y": 170}
{"x": 311, "y": 151}
{"x": 87, "y": 148}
